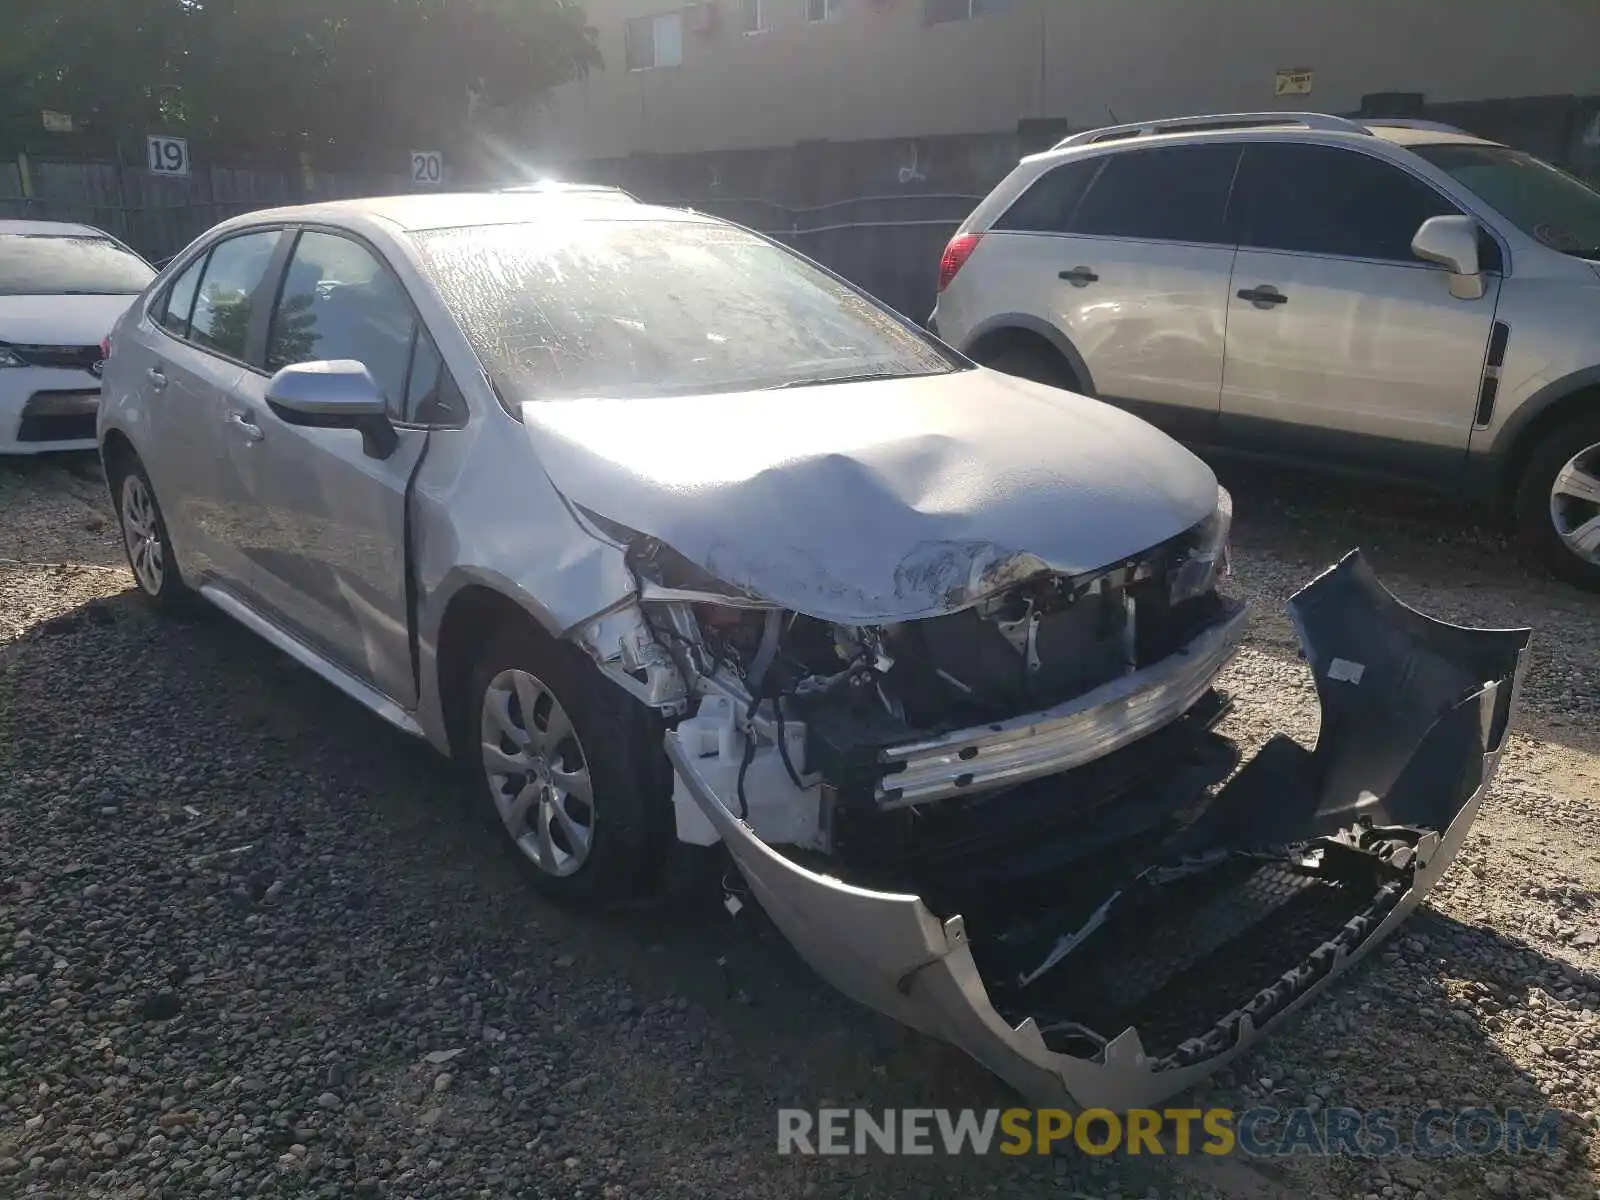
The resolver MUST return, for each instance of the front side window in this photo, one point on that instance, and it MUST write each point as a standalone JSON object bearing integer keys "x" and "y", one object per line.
{"x": 49, "y": 264}
{"x": 1326, "y": 200}
{"x": 339, "y": 302}
{"x": 1542, "y": 201}
{"x": 655, "y": 308}
{"x": 228, "y": 292}
{"x": 1176, "y": 193}
{"x": 650, "y": 42}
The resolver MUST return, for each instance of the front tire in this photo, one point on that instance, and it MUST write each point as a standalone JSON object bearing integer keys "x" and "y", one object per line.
{"x": 569, "y": 768}
{"x": 146, "y": 540}
{"x": 1558, "y": 501}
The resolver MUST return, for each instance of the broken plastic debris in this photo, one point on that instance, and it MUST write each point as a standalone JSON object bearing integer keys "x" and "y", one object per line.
{"x": 733, "y": 904}
{"x": 436, "y": 1057}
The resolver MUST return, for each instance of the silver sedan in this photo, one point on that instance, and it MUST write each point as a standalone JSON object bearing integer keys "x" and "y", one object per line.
{"x": 675, "y": 539}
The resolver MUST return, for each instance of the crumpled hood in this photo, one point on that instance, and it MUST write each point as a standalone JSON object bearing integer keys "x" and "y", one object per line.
{"x": 60, "y": 320}
{"x": 879, "y": 501}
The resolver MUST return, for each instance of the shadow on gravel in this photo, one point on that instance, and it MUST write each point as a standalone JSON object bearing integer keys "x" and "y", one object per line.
{"x": 254, "y": 882}
{"x": 1407, "y": 531}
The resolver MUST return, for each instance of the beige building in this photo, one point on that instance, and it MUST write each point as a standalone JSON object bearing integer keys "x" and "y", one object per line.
{"x": 745, "y": 74}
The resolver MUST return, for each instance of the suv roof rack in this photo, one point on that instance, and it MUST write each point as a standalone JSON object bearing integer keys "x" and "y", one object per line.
{"x": 1111, "y": 133}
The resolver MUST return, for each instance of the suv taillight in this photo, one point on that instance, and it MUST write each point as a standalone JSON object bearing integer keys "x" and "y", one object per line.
{"x": 955, "y": 256}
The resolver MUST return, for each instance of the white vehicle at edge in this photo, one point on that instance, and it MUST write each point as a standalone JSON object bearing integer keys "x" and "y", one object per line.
{"x": 62, "y": 288}
{"x": 674, "y": 538}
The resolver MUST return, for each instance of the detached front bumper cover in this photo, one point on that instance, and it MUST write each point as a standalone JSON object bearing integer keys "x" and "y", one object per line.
{"x": 1415, "y": 714}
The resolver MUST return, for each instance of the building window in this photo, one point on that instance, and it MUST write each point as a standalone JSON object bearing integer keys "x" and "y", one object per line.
{"x": 654, "y": 41}
{"x": 823, "y": 10}
{"x": 751, "y": 18}
{"x": 937, "y": 12}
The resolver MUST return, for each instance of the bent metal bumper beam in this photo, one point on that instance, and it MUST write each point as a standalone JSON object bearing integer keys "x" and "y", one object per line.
{"x": 1081, "y": 730}
{"x": 1415, "y": 714}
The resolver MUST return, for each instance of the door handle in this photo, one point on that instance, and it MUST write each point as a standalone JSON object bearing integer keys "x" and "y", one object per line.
{"x": 157, "y": 378}
{"x": 252, "y": 432}
{"x": 1264, "y": 296}
{"x": 1080, "y": 276}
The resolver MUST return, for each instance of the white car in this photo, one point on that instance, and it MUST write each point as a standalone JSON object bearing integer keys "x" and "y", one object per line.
{"x": 62, "y": 288}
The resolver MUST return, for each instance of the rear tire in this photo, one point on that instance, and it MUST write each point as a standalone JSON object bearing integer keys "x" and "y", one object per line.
{"x": 1558, "y": 501}
{"x": 1035, "y": 363}
{"x": 569, "y": 769}
{"x": 146, "y": 541}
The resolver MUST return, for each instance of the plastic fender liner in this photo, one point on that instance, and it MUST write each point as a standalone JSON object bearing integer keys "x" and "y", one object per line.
{"x": 1415, "y": 714}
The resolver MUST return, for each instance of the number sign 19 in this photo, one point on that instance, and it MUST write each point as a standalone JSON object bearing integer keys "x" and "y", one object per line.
{"x": 427, "y": 167}
{"x": 167, "y": 155}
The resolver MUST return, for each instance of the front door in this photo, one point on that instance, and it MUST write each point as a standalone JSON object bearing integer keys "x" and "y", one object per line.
{"x": 330, "y": 548}
{"x": 1128, "y": 255}
{"x": 1343, "y": 347}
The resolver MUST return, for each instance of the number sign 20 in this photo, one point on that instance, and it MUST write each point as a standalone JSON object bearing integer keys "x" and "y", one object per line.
{"x": 167, "y": 155}
{"x": 427, "y": 167}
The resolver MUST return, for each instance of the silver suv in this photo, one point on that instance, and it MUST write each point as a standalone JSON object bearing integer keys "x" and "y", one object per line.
{"x": 1393, "y": 297}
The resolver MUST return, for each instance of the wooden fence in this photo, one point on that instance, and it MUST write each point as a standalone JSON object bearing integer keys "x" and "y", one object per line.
{"x": 157, "y": 215}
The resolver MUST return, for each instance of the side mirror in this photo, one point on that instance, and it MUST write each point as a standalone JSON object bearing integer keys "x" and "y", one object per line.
{"x": 1452, "y": 242}
{"x": 340, "y": 394}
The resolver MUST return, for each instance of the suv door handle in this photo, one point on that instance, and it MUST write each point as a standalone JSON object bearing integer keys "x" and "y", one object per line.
{"x": 1264, "y": 296}
{"x": 157, "y": 377}
{"x": 1080, "y": 276}
{"x": 252, "y": 432}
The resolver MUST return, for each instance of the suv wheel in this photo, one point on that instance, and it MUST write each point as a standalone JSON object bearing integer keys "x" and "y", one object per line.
{"x": 569, "y": 767}
{"x": 1558, "y": 501}
{"x": 146, "y": 540}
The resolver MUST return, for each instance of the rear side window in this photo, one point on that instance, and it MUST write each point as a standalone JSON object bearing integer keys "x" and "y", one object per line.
{"x": 1327, "y": 200}
{"x": 178, "y": 304}
{"x": 1175, "y": 194}
{"x": 229, "y": 292}
{"x": 1048, "y": 206}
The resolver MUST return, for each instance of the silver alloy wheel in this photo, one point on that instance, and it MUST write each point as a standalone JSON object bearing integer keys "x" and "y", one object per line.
{"x": 1575, "y": 504}
{"x": 538, "y": 772}
{"x": 142, "y": 534}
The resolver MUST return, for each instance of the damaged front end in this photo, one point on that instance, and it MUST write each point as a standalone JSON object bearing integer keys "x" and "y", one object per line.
{"x": 1060, "y": 867}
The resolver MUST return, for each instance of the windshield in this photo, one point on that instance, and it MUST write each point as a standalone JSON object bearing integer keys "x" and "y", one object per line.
{"x": 33, "y": 264}
{"x": 1545, "y": 203}
{"x": 620, "y": 308}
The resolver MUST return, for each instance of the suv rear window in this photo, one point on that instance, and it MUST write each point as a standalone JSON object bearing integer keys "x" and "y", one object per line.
{"x": 1175, "y": 194}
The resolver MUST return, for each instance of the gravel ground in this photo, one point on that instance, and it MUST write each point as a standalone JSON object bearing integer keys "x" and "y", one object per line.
{"x": 250, "y": 946}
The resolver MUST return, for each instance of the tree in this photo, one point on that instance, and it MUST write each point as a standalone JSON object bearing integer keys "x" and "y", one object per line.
{"x": 340, "y": 78}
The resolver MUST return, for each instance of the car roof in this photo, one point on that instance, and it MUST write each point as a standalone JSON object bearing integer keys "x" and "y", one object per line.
{"x": 51, "y": 229}
{"x": 1426, "y": 135}
{"x": 1396, "y": 131}
{"x": 434, "y": 210}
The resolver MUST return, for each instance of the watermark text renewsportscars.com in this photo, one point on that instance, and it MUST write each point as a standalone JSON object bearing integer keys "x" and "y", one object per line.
{"x": 1258, "y": 1132}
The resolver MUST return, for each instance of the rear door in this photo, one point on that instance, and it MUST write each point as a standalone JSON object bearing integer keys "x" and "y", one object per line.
{"x": 197, "y": 361}
{"x": 1343, "y": 347}
{"x": 330, "y": 544}
{"x": 1129, "y": 256}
